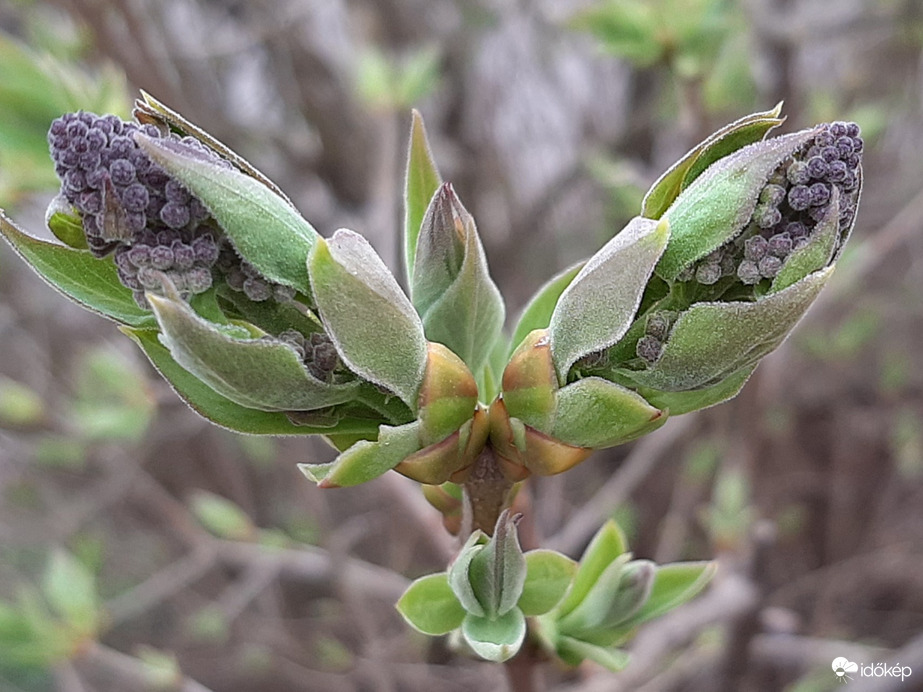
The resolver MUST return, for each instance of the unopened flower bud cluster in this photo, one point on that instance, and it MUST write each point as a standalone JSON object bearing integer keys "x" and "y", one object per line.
{"x": 151, "y": 224}
{"x": 794, "y": 199}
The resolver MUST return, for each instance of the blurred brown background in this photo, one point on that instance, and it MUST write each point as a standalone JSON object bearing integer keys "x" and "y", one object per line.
{"x": 551, "y": 120}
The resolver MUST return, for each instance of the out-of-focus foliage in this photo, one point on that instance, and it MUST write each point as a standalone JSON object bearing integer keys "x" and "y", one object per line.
{"x": 38, "y": 82}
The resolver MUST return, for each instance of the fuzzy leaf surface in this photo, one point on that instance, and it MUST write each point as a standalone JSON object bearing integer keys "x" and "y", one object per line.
{"x": 91, "y": 282}
{"x": 598, "y": 307}
{"x": 430, "y": 607}
{"x": 376, "y": 330}
{"x": 262, "y": 374}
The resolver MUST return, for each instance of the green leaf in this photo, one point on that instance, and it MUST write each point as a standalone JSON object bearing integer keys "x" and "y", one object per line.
{"x": 70, "y": 589}
{"x": 497, "y": 573}
{"x": 376, "y": 330}
{"x": 677, "y": 403}
{"x": 817, "y": 253}
{"x": 607, "y": 545}
{"x": 459, "y": 575}
{"x": 452, "y": 290}
{"x": 149, "y": 109}
{"x": 720, "y": 202}
{"x": 366, "y": 460}
{"x": 598, "y": 307}
{"x": 574, "y": 652}
{"x": 222, "y": 411}
{"x": 673, "y": 585}
{"x": 495, "y": 640}
{"x": 264, "y": 227}
{"x": 548, "y": 574}
{"x": 221, "y": 516}
{"x": 430, "y": 607}
{"x": 538, "y": 311}
{"x": 92, "y": 282}
{"x": 713, "y": 341}
{"x": 728, "y": 139}
{"x": 420, "y": 184}
{"x": 593, "y": 607}
{"x": 596, "y": 413}
{"x": 256, "y": 373}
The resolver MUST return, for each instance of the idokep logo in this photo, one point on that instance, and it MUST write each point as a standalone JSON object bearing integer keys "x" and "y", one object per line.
{"x": 842, "y": 667}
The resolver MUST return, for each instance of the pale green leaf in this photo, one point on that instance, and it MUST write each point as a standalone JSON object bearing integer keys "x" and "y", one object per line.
{"x": 495, "y": 640}
{"x": 92, "y": 282}
{"x": 598, "y": 307}
{"x": 429, "y": 605}
{"x": 548, "y": 575}
{"x": 607, "y": 544}
{"x": 256, "y": 373}
{"x": 376, "y": 330}
{"x": 70, "y": 589}
{"x": 420, "y": 184}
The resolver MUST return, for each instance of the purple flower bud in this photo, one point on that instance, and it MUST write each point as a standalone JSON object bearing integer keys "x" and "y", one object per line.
{"x": 257, "y": 289}
{"x": 174, "y": 215}
{"x": 748, "y": 272}
{"x": 183, "y": 255}
{"x": 817, "y": 167}
{"x": 780, "y": 245}
{"x": 161, "y": 257}
{"x": 820, "y": 194}
{"x": 140, "y": 255}
{"x": 135, "y": 197}
{"x": 648, "y": 349}
{"x": 122, "y": 172}
{"x": 708, "y": 273}
{"x": 755, "y": 248}
{"x": 838, "y": 172}
{"x": 198, "y": 280}
{"x": 769, "y": 266}
{"x": 205, "y": 249}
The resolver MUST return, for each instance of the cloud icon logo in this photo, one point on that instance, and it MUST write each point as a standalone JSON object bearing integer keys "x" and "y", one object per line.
{"x": 841, "y": 666}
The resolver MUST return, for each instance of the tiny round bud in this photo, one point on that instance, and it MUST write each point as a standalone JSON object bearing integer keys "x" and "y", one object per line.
{"x": 235, "y": 279}
{"x": 838, "y": 129}
{"x": 205, "y": 249}
{"x": 796, "y": 229}
{"x": 648, "y": 349}
{"x": 90, "y": 202}
{"x": 824, "y": 138}
{"x": 769, "y": 266}
{"x": 766, "y": 216}
{"x": 77, "y": 128}
{"x": 838, "y": 172}
{"x": 820, "y": 194}
{"x": 844, "y": 145}
{"x": 755, "y": 248}
{"x": 75, "y": 182}
{"x": 135, "y": 197}
{"x": 175, "y": 192}
{"x": 797, "y": 173}
{"x": 780, "y": 245}
{"x": 183, "y": 255}
{"x": 96, "y": 139}
{"x": 89, "y": 160}
{"x": 817, "y": 167}
{"x": 122, "y": 172}
{"x": 149, "y": 278}
{"x": 748, "y": 272}
{"x": 96, "y": 179}
{"x": 282, "y": 293}
{"x": 174, "y": 215}
{"x": 198, "y": 280}
{"x": 140, "y": 255}
{"x": 249, "y": 270}
{"x": 161, "y": 257}
{"x": 257, "y": 289}
{"x": 772, "y": 194}
{"x": 830, "y": 154}
{"x": 708, "y": 273}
